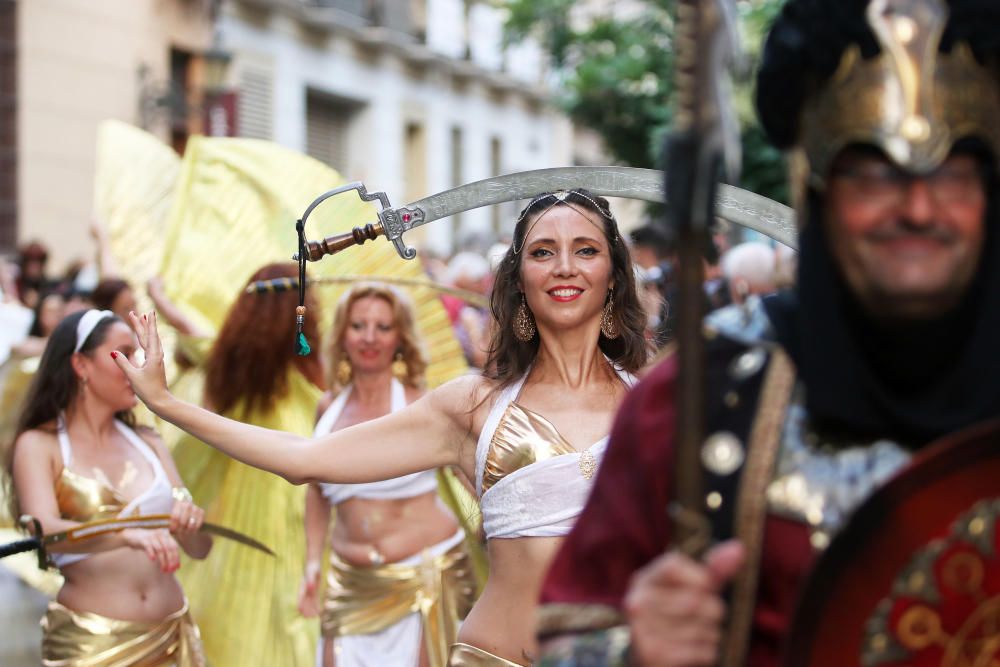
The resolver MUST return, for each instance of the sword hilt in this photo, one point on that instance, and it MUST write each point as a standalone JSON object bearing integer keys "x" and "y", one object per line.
{"x": 331, "y": 245}
{"x": 19, "y": 547}
{"x": 392, "y": 223}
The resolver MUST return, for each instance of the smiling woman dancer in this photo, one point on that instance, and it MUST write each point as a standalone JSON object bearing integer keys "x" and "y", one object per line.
{"x": 389, "y": 536}
{"x": 78, "y": 458}
{"x": 529, "y": 432}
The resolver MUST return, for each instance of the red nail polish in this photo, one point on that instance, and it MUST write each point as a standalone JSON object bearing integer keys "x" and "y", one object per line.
{"x": 114, "y": 354}
{"x": 143, "y": 318}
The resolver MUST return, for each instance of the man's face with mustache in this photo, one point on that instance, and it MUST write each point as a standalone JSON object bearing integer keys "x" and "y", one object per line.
{"x": 908, "y": 246}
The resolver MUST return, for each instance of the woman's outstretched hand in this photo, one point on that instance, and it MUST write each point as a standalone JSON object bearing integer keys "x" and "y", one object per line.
{"x": 149, "y": 381}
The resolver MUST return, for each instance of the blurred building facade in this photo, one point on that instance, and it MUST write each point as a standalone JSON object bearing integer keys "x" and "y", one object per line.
{"x": 409, "y": 96}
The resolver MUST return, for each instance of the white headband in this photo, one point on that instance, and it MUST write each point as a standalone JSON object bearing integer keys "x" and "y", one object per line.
{"x": 85, "y": 326}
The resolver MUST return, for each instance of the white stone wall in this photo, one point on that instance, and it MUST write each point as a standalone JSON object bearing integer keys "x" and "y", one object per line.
{"x": 446, "y": 28}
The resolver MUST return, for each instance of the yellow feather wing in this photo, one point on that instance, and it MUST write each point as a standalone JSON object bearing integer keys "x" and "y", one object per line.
{"x": 235, "y": 209}
{"x": 136, "y": 174}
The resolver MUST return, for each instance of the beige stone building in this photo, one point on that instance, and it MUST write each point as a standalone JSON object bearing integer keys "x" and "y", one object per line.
{"x": 67, "y": 65}
{"x": 410, "y": 96}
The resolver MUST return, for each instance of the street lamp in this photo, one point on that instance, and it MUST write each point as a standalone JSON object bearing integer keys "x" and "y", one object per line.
{"x": 173, "y": 100}
{"x": 218, "y": 112}
{"x": 216, "y": 64}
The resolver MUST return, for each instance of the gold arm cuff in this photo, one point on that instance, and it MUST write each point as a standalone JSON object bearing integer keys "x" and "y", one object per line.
{"x": 181, "y": 494}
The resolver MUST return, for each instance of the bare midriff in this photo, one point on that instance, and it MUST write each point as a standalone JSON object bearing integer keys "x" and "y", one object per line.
{"x": 390, "y": 530}
{"x": 503, "y": 620}
{"x": 122, "y": 584}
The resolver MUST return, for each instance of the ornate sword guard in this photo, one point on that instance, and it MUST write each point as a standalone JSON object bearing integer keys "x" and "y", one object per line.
{"x": 392, "y": 223}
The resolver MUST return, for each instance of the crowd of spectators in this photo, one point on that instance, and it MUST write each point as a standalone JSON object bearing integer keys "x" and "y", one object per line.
{"x": 33, "y": 299}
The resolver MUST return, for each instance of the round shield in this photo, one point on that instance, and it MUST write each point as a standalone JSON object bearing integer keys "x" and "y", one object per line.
{"x": 914, "y": 577}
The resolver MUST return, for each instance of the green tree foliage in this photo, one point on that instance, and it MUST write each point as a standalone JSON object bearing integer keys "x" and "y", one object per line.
{"x": 615, "y": 75}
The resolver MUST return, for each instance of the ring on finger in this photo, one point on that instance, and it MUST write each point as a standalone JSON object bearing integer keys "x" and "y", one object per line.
{"x": 192, "y": 521}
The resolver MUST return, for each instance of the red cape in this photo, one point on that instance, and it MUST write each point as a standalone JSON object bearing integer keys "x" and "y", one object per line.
{"x": 624, "y": 524}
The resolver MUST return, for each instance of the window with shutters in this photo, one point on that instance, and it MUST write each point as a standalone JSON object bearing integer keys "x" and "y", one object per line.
{"x": 255, "y": 114}
{"x": 415, "y": 161}
{"x": 328, "y": 121}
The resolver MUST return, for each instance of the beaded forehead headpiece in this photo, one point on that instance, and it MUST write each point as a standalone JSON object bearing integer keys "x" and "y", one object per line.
{"x": 542, "y": 204}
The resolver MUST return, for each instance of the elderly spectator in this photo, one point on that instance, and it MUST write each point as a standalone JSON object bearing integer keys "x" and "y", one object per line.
{"x": 749, "y": 268}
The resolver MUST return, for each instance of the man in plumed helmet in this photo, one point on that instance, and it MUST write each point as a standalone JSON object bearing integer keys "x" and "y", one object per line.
{"x": 821, "y": 399}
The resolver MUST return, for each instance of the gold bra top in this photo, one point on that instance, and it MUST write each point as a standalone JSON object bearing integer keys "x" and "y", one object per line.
{"x": 522, "y": 438}
{"x": 85, "y": 499}
{"x": 82, "y": 498}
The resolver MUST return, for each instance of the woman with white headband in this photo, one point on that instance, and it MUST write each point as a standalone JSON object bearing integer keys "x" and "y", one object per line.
{"x": 529, "y": 432}
{"x": 78, "y": 457}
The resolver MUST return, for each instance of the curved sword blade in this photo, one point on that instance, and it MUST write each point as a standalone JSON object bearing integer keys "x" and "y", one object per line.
{"x": 93, "y": 529}
{"x": 736, "y": 205}
{"x": 90, "y": 530}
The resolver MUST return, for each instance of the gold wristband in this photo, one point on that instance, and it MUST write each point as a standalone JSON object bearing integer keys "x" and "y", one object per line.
{"x": 181, "y": 494}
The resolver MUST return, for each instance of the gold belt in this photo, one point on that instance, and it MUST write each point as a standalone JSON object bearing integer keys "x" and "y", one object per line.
{"x": 85, "y": 639}
{"x": 364, "y": 600}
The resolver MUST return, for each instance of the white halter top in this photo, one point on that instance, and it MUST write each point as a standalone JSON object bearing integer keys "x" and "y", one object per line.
{"x": 531, "y": 482}
{"x": 407, "y": 486}
{"x": 82, "y": 494}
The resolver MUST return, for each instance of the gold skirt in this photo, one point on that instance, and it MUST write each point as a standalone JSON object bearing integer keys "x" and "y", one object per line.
{"x": 365, "y": 600}
{"x": 85, "y": 639}
{"x": 464, "y": 655}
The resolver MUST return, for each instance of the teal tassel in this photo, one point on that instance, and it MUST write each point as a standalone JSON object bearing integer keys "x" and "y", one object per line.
{"x": 302, "y": 347}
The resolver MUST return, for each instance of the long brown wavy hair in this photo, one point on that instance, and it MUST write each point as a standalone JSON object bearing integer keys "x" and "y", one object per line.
{"x": 510, "y": 358}
{"x": 54, "y": 388}
{"x": 253, "y": 352}
{"x": 410, "y": 345}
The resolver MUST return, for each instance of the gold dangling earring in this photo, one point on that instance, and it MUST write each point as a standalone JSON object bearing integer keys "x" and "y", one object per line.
{"x": 399, "y": 368}
{"x": 608, "y": 325}
{"x": 344, "y": 372}
{"x": 524, "y": 323}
